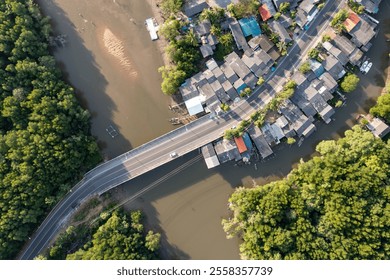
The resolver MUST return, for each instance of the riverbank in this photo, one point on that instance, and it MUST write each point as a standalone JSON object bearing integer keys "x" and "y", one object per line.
{"x": 161, "y": 42}
{"x": 113, "y": 65}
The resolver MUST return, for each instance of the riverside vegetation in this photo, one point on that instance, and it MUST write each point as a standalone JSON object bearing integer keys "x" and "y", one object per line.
{"x": 334, "y": 206}
{"x": 114, "y": 236}
{"x": 45, "y": 142}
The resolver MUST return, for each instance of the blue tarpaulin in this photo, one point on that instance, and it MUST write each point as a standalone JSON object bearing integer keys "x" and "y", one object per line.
{"x": 247, "y": 141}
{"x": 250, "y": 26}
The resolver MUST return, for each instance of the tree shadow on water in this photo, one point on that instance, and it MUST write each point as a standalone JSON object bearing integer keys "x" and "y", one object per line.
{"x": 81, "y": 71}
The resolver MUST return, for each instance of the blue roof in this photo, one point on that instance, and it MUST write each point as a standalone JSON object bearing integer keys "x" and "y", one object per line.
{"x": 247, "y": 141}
{"x": 317, "y": 67}
{"x": 250, "y": 26}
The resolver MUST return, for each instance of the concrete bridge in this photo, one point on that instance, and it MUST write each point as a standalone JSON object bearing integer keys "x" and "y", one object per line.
{"x": 183, "y": 140}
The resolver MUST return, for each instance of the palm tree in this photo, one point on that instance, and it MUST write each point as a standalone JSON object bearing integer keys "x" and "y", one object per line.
{"x": 282, "y": 47}
{"x": 215, "y": 30}
{"x": 274, "y": 37}
{"x": 191, "y": 38}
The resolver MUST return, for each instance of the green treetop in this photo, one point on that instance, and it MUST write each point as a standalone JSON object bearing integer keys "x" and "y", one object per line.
{"x": 335, "y": 206}
{"x": 349, "y": 83}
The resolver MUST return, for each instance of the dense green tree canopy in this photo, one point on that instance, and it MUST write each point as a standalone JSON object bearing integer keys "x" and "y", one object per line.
{"x": 171, "y": 6}
{"x": 172, "y": 79}
{"x": 382, "y": 107}
{"x": 214, "y": 15}
{"x": 170, "y": 28}
{"x": 185, "y": 55}
{"x": 44, "y": 133}
{"x": 335, "y": 206}
{"x": 120, "y": 237}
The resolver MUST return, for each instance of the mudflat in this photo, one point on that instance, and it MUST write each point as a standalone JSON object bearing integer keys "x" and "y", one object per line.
{"x": 112, "y": 63}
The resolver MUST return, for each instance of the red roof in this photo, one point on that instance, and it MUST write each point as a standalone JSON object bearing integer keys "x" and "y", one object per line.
{"x": 264, "y": 12}
{"x": 240, "y": 144}
{"x": 351, "y": 21}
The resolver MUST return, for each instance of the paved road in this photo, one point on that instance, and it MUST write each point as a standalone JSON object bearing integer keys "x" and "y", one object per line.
{"x": 182, "y": 140}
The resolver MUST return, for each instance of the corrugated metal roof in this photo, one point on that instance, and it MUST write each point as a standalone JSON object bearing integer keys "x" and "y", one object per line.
{"x": 351, "y": 21}
{"x": 240, "y": 144}
{"x": 264, "y": 12}
{"x": 250, "y": 26}
{"x": 260, "y": 142}
{"x": 247, "y": 141}
{"x": 210, "y": 156}
{"x": 194, "y": 106}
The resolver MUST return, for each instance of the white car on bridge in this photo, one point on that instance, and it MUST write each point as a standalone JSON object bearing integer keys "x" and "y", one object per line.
{"x": 173, "y": 155}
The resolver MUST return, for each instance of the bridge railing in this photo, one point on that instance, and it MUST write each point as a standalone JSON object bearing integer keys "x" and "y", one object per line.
{"x": 140, "y": 149}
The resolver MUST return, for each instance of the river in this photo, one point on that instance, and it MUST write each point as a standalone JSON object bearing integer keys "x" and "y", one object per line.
{"x": 112, "y": 63}
{"x": 185, "y": 201}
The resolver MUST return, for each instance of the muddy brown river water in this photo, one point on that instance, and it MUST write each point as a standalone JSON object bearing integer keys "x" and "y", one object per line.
{"x": 112, "y": 63}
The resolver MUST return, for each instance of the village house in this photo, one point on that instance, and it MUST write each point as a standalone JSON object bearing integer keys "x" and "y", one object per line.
{"x": 242, "y": 148}
{"x": 267, "y": 10}
{"x": 301, "y": 124}
{"x": 208, "y": 41}
{"x": 260, "y": 142}
{"x": 303, "y": 104}
{"x": 278, "y": 28}
{"x": 336, "y": 52}
{"x": 209, "y": 99}
{"x": 194, "y": 7}
{"x": 317, "y": 68}
{"x": 360, "y": 30}
{"x": 378, "y": 128}
{"x": 202, "y": 28}
{"x": 283, "y": 123}
{"x": 306, "y": 12}
{"x": 334, "y": 67}
{"x": 259, "y": 62}
{"x": 230, "y": 75}
{"x": 322, "y": 89}
{"x": 206, "y": 50}
{"x": 209, "y": 155}
{"x": 250, "y": 27}
{"x": 238, "y": 36}
{"x": 226, "y": 151}
{"x": 311, "y": 97}
{"x": 329, "y": 82}
{"x": 349, "y": 49}
{"x": 207, "y": 90}
{"x": 320, "y": 105}
{"x": 286, "y": 21}
{"x": 242, "y": 71}
{"x": 371, "y": 6}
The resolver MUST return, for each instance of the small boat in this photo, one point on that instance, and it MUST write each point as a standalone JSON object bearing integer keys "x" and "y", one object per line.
{"x": 175, "y": 121}
{"x": 363, "y": 67}
{"x": 152, "y": 27}
{"x": 368, "y": 67}
{"x": 300, "y": 142}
